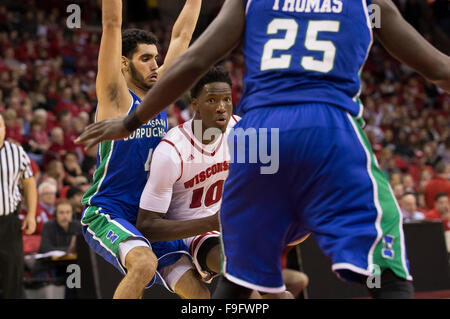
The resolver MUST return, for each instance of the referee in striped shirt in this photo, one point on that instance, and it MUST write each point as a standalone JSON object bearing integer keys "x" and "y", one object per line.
{"x": 15, "y": 170}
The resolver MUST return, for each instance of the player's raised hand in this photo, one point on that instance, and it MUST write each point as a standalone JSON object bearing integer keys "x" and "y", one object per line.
{"x": 109, "y": 129}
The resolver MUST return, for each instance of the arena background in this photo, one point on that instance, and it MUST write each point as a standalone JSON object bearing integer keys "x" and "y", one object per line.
{"x": 47, "y": 97}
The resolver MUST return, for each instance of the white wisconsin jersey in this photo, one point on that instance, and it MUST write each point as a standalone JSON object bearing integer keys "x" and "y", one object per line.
{"x": 187, "y": 177}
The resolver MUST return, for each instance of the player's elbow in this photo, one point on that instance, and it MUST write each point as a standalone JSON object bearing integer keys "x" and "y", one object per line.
{"x": 149, "y": 228}
{"x": 440, "y": 70}
{"x": 183, "y": 35}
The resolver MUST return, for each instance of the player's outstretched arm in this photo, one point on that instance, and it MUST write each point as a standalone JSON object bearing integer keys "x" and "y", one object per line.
{"x": 157, "y": 228}
{"x": 404, "y": 43}
{"x": 222, "y": 35}
{"x": 182, "y": 32}
{"x": 111, "y": 87}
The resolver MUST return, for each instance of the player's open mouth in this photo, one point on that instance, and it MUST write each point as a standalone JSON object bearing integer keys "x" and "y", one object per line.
{"x": 221, "y": 121}
{"x": 153, "y": 77}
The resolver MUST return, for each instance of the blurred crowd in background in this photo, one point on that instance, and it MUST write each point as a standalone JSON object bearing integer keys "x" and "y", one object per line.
{"x": 47, "y": 98}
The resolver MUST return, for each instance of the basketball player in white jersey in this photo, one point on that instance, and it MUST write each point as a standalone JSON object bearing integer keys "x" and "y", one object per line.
{"x": 184, "y": 191}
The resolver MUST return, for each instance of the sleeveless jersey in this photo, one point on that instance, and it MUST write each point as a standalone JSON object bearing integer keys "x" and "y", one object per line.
{"x": 187, "y": 177}
{"x": 305, "y": 51}
{"x": 123, "y": 166}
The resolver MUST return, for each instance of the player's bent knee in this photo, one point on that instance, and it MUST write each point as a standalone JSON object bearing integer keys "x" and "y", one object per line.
{"x": 214, "y": 259}
{"x": 190, "y": 286}
{"x": 141, "y": 263}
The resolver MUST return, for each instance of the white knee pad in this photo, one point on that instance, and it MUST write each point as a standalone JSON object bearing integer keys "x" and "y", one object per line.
{"x": 127, "y": 245}
{"x": 173, "y": 273}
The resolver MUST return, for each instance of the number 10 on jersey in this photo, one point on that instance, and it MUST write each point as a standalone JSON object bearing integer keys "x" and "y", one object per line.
{"x": 213, "y": 195}
{"x": 269, "y": 62}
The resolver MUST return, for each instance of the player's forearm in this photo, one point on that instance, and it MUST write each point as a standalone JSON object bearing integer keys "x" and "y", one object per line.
{"x": 405, "y": 44}
{"x": 111, "y": 13}
{"x": 30, "y": 194}
{"x": 160, "y": 229}
{"x": 167, "y": 90}
{"x": 187, "y": 20}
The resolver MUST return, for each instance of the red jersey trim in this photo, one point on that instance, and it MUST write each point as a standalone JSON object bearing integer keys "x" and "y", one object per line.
{"x": 199, "y": 148}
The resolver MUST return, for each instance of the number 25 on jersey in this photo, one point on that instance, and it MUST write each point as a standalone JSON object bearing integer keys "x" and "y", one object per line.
{"x": 283, "y": 61}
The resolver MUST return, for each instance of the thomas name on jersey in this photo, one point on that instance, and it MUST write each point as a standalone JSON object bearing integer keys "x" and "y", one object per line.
{"x": 207, "y": 173}
{"x": 153, "y": 128}
{"x": 308, "y": 6}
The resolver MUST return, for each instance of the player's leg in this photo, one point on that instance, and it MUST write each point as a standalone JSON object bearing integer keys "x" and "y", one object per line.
{"x": 140, "y": 263}
{"x": 295, "y": 281}
{"x": 206, "y": 254}
{"x": 389, "y": 252}
{"x": 122, "y": 245}
{"x": 348, "y": 204}
{"x": 184, "y": 280}
{"x": 213, "y": 259}
{"x": 191, "y": 286}
{"x": 392, "y": 287}
{"x": 209, "y": 259}
{"x": 255, "y": 216}
{"x": 229, "y": 290}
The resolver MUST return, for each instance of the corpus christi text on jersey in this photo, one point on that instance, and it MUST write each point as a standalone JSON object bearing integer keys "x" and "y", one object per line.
{"x": 153, "y": 128}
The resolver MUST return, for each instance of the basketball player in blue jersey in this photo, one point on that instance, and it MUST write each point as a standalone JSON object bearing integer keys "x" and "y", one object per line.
{"x": 127, "y": 69}
{"x": 303, "y": 61}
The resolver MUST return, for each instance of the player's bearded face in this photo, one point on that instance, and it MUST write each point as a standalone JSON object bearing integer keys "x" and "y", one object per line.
{"x": 143, "y": 66}
{"x": 139, "y": 78}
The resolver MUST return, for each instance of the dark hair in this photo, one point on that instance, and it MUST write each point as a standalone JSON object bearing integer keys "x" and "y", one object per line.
{"x": 216, "y": 74}
{"x": 62, "y": 202}
{"x": 439, "y": 195}
{"x": 440, "y": 167}
{"x": 71, "y": 192}
{"x": 131, "y": 38}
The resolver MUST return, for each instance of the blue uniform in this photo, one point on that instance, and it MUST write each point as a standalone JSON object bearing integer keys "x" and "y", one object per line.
{"x": 303, "y": 60}
{"x": 113, "y": 199}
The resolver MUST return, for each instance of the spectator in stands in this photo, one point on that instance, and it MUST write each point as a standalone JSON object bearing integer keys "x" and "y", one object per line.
{"x": 398, "y": 190}
{"x": 55, "y": 170}
{"x": 39, "y": 142}
{"x": 74, "y": 195}
{"x": 89, "y": 162}
{"x": 14, "y": 132}
{"x": 409, "y": 208}
{"x": 72, "y": 168}
{"x": 46, "y": 203}
{"x": 438, "y": 184}
{"x": 408, "y": 183}
{"x": 441, "y": 210}
{"x": 57, "y": 148}
{"x": 60, "y": 234}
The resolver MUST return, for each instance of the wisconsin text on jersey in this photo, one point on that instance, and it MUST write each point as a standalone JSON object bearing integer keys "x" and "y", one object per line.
{"x": 308, "y": 6}
{"x": 207, "y": 173}
{"x": 153, "y": 128}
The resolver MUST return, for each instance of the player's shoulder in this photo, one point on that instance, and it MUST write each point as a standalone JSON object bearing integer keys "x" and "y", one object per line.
{"x": 174, "y": 135}
{"x": 233, "y": 120}
{"x": 174, "y": 142}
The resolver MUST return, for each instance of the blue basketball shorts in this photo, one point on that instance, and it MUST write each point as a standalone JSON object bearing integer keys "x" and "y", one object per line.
{"x": 322, "y": 178}
{"x": 104, "y": 231}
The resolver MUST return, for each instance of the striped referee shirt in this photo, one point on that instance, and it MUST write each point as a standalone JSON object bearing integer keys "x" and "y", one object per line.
{"x": 14, "y": 165}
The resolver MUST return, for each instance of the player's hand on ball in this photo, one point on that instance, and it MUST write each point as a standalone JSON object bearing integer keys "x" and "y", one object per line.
{"x": 109, "y": 129}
